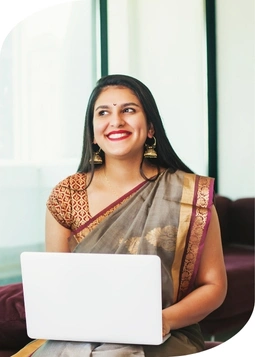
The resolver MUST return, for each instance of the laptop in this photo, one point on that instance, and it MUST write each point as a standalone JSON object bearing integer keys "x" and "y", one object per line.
{"x": 105, "y": 298}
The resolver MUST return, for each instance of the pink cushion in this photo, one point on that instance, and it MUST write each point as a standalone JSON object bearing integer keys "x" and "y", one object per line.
{"x": 239, "y": 303}
{"x": 209, "y": 344}
{"x": 13, "y": 334}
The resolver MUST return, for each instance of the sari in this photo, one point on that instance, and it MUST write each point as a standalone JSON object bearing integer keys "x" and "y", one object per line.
{"x": 168, "y": 217}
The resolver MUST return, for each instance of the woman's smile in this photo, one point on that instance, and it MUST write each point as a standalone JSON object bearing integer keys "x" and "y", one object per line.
{"x": 118, "y": 135}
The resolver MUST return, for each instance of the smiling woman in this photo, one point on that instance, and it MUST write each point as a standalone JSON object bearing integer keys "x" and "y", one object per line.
{"x": 132, "y": 203}
{"x": 120, "y": 130}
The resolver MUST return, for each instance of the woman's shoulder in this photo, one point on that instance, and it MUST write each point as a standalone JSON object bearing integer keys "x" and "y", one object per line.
{"x": 179, "y": 174}
{"x": 76, "y": 181}
{"x": 191, "y": 181}
{"x": 192, "y": 175}
{"x": 66, "y": 189}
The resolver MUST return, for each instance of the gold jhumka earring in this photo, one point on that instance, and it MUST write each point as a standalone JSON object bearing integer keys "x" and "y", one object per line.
{"x": 97, "y": 160}
{"x": 150, "y": 152}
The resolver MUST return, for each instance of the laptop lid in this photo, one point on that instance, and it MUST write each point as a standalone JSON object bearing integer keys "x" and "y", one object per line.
{"x": 110, "y": 298}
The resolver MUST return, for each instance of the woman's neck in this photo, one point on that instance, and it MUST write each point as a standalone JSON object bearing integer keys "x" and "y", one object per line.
{"x": 127, "y": 171}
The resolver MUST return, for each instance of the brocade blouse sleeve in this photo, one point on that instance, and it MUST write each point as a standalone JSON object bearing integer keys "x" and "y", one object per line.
{"x": 59, "y": 203}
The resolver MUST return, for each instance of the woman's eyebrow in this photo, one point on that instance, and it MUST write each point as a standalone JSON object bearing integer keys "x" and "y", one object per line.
{"x": 130, "y": 103}
{"x": 124, "y": 105}
{"x": 102, "y": 107}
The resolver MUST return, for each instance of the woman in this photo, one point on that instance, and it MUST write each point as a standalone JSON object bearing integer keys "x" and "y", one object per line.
{"x": 133, "y": 195}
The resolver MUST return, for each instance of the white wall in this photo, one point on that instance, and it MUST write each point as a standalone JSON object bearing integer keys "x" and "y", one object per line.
{"x": 47, "y": 71}
{"x": 163, "y": 44}
{"x": 236, "y": 97}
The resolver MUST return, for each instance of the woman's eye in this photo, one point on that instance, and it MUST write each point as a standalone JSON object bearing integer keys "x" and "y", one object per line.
{"x": 129, "y": 110}
{"x": 102, "y": 112}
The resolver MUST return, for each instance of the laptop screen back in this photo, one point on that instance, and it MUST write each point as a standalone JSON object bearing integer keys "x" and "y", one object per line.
{"x": 111, "y": 298}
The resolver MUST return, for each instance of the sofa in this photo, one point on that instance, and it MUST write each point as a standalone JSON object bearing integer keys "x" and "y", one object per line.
{"x": 236, "y": 219}
{"x": 237, "y": 227}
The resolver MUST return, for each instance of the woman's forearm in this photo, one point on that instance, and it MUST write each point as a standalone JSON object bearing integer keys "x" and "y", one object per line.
{"x": 194, "y": 307}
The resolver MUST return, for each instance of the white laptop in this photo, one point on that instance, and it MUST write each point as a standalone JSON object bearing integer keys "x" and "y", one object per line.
{"x": 107, "y": 298}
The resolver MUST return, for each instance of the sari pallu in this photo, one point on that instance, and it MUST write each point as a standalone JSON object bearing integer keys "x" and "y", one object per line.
{"x": 168, "y": 217}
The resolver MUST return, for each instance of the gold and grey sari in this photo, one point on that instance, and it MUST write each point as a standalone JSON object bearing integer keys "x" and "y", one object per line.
{"x": 168, "y": 217}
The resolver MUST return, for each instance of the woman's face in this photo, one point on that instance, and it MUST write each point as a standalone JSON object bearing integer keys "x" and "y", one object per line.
{"x": 119, "y": 122}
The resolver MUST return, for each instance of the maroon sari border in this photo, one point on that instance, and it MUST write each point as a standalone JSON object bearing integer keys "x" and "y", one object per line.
{"x": 203, "y": 236}
{"x": 183, "y": 291}
{"x": 180, "y": 293}
{"x": 208, "y": 219}
{"x": 119, "y": 200}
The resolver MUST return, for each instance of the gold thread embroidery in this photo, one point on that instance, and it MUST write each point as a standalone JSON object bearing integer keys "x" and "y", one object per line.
{"x": 185, "y": 216}
{"x": 132, "y": 244}
{"x": 196, "y": 234}
{"x": 163, "y": 237}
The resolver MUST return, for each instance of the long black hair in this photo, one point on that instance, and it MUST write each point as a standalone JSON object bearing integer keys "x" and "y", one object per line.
{"x": 166, "y": 156}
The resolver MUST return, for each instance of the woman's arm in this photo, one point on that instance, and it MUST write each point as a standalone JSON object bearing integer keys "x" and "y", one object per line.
{"x": 211, "y": 284}
{"x": 55, "y": 235}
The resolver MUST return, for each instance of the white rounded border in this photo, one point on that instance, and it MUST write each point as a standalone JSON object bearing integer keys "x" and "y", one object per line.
{"x": 14, "y": 11}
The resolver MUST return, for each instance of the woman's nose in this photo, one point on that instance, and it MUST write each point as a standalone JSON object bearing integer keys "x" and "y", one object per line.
{"x": 116, "y": 120}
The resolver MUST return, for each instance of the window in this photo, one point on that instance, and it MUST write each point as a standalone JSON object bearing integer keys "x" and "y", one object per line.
{"x": 48, "y": 66}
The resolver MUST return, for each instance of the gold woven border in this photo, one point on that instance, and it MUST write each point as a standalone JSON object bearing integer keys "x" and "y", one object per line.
{"x": 185, "y": 217}
{"x": 196, "y": 234}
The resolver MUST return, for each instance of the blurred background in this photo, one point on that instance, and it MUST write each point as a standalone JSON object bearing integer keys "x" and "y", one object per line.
{"x": 197, "y": 57}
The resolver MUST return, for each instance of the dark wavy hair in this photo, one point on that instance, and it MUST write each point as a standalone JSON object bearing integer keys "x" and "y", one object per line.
{"x": 166, "y": 156}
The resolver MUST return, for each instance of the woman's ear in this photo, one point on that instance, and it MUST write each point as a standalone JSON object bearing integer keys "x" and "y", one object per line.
{"x": 151, "y": 131}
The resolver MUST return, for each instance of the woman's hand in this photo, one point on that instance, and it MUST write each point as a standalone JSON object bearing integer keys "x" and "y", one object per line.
{"x": 165, "y": 325}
